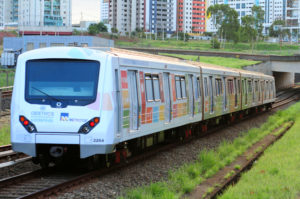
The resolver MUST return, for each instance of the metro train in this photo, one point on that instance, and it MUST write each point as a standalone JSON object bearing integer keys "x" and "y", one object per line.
{"x": 81, "y": 103}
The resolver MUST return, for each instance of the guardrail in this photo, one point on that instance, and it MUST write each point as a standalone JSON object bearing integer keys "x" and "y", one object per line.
{"x": 5, "y": 98}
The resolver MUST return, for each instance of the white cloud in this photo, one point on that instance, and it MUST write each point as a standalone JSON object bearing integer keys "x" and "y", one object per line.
{"x": 86, "y": 10}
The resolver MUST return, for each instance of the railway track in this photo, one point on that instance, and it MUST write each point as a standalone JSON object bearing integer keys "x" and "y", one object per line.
{"x": 45, "y": 183}
{"x": 8, "y": 157}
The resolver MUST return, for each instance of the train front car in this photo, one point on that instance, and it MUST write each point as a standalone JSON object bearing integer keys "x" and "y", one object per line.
{"x": 62, "y": 105}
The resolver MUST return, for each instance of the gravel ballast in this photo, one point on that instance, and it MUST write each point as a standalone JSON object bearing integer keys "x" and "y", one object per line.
{"x": 157, "y": 167}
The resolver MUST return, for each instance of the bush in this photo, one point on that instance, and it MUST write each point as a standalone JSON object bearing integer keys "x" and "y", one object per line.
{"x": 214, "y": 43}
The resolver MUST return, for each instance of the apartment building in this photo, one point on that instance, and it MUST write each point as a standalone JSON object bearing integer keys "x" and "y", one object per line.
{"x": 104, "y": 5}
{"x": 274, "y": 9}
{"x": 292, "y": 15}
{"x": 191, "y": 16}
{"x": 39, "y": 13}
{"x": 161, "y": 17}
{"x": 8, "y": 12}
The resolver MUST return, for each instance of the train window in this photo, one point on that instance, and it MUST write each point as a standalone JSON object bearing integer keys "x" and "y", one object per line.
{"x": 225, "y": 93}
{"x": 198, "y": 88}
{"x": 205, "y": 87}
{"x": 180, "y": 87}
{"x": 183, "y": 87}
{"x": 156, "y": 88}
{"x": 178, "y": 90}
{"x": 149, "y": 88}
{"x": 235, "y": 96}
{"x": 249, "y": 86}
{"x": 230, "y": 86}
{"x": 152, "y": 87}
{"x": 219, "y": 87}
{"x": 211, "y": 94}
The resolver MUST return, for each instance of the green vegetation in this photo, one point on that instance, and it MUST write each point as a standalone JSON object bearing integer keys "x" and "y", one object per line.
{"x": 209, "y": 162}
{"x": 275, "y": 174}
{"x": 237, "y": 167}
{"x": 3, "y": 77}
{"x": 261, "y": 48}
{"x": 5, "y": 135}
{"x": 221, "y": 61}
{"x": 229, "y": 174}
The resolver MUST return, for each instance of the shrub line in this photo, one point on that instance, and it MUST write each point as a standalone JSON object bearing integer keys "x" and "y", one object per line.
{"x": 230, "y": 173}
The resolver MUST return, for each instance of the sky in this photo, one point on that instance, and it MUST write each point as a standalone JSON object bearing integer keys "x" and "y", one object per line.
{"x": 85, "y": 10}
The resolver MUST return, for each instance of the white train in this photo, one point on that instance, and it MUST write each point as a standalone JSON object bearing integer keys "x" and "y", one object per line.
{"x": 80, "y": 103}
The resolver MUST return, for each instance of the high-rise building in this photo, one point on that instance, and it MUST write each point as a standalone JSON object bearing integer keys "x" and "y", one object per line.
{"x": 104, "y": 4}
{"x": 40, "y": 13}
{"x": 148, "y": 15}
{"x": 161, "y": 16}
{"x": 8, "y": 12}
{"x": 191, "y": 16}
{"x": 127, "y": 15}
{"x": 292, "y": 15}
{"x": 274, "y": 9}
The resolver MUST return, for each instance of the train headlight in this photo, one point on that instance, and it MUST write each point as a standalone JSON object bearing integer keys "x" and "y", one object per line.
{"x": 29, "y": 126}
{"x": 87, "y": 127}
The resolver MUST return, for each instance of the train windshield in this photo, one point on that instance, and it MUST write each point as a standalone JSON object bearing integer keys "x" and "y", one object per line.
{"x": 61, "y": 82}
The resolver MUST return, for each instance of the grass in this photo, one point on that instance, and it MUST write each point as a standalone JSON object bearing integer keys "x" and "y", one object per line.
{"x": 6, "y": 77}
{"x": 209, "y": 162}
{"x": 5, "y": 135}
{"x": 275, "y": 174}
{"x": 221, "y": 61}
{"x": 262, "y": 48}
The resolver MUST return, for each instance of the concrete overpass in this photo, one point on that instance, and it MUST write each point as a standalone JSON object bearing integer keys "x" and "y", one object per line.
{"x": 283, "y": 68}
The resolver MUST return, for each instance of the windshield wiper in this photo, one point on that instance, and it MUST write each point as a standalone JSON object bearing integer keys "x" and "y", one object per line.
{"x": 46, "y": 94}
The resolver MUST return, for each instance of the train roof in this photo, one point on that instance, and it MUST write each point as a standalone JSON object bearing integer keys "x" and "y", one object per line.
{"x": 176, "y": 61}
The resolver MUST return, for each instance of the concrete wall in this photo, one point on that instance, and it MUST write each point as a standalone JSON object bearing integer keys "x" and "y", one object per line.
{"x": 33, "y": 42}
{"x": 283, "y": 73}
{"x": 284, "y": 80}
{"x": 297, "y": 77}
{"x": 264, "y": 67}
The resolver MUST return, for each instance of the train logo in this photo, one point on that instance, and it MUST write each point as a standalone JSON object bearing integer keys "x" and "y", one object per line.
{"x": 64, "y": 116}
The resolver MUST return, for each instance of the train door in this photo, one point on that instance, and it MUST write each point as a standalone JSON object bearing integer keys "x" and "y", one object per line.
{"x": 191, "y": 95}
{"x": 134, "y": 101}
{"x": 211, "y": 92}
{"x": 166, "y": 79}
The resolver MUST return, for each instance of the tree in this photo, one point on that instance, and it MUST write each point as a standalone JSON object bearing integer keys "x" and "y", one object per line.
{"x": 248, "y": 30}
{"x": 114, "y": 30}
{"x": 97, "y": 28}
{"x": 225, "y": 20}
{"x": 279, "y": 31}
{"x": 259, "y": 17}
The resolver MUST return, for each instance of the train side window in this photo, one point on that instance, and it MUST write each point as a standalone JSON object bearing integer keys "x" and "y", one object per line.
{"x": 219, "y": 87}
{"x": 178, "y": 90}
{"x": 230, "y": 86}
{"x": 156, "y": 88}
{"x": 205, "y": 87}
{"x": 249, "y": 86}
{"x": 198, "y": 88}
{"x": 183, "y": 87}
{"x": 149, "y": 88}
{"x": 152, "y": 87}
{"x": 180, "y": 87}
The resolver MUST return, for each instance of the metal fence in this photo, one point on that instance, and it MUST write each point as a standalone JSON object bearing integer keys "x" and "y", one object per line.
{"x": 6, "y": 77}
{"x": 5, "y": 98}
